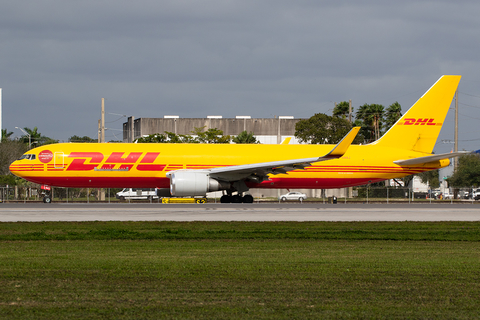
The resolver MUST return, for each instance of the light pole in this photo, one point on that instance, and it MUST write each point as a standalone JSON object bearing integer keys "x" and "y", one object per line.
{"x": 29, "y": 137}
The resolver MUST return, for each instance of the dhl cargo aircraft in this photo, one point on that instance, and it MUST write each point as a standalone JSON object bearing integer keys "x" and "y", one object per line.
{"x": 195, "y": 169}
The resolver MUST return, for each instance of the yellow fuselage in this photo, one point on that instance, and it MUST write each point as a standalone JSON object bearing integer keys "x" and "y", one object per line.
{"x": 117, "y": 165}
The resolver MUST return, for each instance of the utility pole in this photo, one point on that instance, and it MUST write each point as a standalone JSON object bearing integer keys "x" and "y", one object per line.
{"x": 101, "y": 192}
{"x": 350, "y": 110}
{"x": 1, "y": 115}
{"x": 133, "y": 128}
{"x": 103, "y": 121}
{"x": 455, "y": 163}
{"x": 99, "y": 134}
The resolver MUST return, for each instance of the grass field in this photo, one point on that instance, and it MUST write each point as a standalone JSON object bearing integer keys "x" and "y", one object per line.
{"x": 205, "y": 270}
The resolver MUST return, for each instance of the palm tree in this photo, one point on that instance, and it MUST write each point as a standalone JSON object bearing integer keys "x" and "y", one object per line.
{"x": 363, "y": 120}
{"x": 245, "y": 137}
{"x": 342, "y": 110}
{"x": 36, "y": 137}
{"x": 376, "y": 112}
{"x": 394, "y": 112}
{"x": 370, "y": 116}
{"x": 32, "y": 137}
{"x": 6, "y": 135}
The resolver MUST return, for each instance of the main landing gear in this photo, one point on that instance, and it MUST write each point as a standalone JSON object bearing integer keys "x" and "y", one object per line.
{"x": 228, "y": 198}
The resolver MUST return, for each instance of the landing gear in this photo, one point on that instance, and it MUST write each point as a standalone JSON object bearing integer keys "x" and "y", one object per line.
{"x": 226, "y": 199}
{"x": 236, "y": 198}
{"x": 47, "y": 199}
{"x": 248, "y": 198}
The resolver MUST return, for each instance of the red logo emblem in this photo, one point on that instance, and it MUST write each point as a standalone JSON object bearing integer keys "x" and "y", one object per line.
{"x": 419, "y": 122}
{"x": 45, "y": 156}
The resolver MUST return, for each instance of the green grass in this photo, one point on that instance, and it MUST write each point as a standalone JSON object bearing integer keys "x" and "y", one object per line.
{"x": 272, "y": 270}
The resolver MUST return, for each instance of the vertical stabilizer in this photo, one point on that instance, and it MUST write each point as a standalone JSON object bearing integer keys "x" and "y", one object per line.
{"x": 419, "y": 127}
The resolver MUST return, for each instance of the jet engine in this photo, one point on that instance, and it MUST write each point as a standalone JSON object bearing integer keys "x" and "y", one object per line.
{"x": 194, "y": 183}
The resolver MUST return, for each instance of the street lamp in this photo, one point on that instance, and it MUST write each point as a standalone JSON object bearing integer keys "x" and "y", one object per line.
{"x": 29, "y": 138}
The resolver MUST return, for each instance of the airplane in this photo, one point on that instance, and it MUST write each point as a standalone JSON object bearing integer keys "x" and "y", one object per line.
{"x": 181, "y": 170}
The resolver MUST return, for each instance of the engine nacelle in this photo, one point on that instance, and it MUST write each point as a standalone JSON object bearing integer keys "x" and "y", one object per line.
{"x": 194, "y": 183}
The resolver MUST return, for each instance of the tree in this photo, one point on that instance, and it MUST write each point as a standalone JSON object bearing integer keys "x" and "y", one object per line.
{"x": 7, "y": 180}
{"x": 467, "y": 173}
{"x": 370, "y": 117}
{"x": 322, "y": 129}
{"x": 9, "y": 152}
{"x": 430, "y": 177}
{"x": 81, "y": 139}
{"x": 6, "y": 135}
{"x": 245, "y": 137}
{"x": 209, "y": 136}
{"x": 36, "y": 138}
{"x": 167, "y": 137}
{"x": 342, "y": 110}
{"x": 393, "y": 113}
{"x": 212, "y": 135}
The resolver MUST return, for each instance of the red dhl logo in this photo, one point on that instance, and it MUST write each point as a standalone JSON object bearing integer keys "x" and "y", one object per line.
{"x": 419, "y": 122}
{"x": 86, "y": 161}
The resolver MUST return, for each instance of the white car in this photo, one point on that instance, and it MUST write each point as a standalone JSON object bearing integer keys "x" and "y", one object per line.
{"x": 293, "y": 196}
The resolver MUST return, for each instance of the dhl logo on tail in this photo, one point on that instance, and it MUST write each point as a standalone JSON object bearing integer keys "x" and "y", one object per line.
{"x": 420, "y": 121}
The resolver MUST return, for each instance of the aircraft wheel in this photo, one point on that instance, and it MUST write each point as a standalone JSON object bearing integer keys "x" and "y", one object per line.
{"x": 247, "y": 199}
{"x": 47, "y": 199}
{"x": 225, "y": 199}
{"x": 236, "y": 199}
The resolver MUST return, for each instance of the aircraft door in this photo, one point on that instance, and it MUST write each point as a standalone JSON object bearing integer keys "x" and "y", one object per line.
{"x": 59, "y": 162}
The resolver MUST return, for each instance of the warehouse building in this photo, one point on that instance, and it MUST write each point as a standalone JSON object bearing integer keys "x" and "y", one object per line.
{"x": 266, "y": 130}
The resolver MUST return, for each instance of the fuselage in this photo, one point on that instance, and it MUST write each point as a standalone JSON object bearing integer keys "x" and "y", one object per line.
{"x": 119, "y": 165}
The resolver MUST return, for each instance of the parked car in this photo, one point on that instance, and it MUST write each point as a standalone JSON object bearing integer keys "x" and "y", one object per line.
{"x": 476, "y": 194}
{"x": 298, "y": 196}
{"x": 137, "y": 194}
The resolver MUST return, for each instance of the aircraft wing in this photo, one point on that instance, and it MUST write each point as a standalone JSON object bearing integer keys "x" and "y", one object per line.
{"x": 432, "y": 158}
{"x": 259, "y": 171}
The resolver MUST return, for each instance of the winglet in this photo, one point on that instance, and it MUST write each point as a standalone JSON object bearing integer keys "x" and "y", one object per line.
{"x": 342, "y": 147}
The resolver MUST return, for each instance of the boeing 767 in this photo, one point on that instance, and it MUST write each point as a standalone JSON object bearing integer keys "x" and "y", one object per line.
{"x": 196, "y": 169}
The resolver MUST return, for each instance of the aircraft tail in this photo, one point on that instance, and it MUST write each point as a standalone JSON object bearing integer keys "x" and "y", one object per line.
{"x": 419, "y": 127}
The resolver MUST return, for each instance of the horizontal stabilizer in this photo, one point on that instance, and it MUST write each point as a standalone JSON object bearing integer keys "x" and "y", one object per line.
{"x": 432, "y": 158}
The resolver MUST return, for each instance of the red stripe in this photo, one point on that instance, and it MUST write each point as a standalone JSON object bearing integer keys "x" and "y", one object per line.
{"x": 150, "y": 167}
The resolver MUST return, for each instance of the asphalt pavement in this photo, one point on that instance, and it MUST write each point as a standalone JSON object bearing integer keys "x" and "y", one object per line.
{"x": 32, "y": 212}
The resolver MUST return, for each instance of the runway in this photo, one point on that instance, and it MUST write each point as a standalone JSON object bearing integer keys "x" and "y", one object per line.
{"x": 10, "y": 212}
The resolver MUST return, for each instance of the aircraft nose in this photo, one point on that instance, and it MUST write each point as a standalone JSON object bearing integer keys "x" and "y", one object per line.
{"x": 18, "y": 168}
{"x": 14, "y": 167}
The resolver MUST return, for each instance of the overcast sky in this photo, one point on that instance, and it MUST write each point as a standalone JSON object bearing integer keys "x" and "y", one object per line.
{"x": 230, "y": 57}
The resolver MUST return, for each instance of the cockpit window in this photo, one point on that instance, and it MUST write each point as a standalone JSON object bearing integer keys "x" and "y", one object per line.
{"x": 28, "y": 157}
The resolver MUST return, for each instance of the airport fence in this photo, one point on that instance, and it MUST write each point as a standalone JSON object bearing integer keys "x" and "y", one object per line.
{"x": 364, "y": 194}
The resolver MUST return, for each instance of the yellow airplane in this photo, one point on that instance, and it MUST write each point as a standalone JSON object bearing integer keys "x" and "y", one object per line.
{"x": 195, "y": 169}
